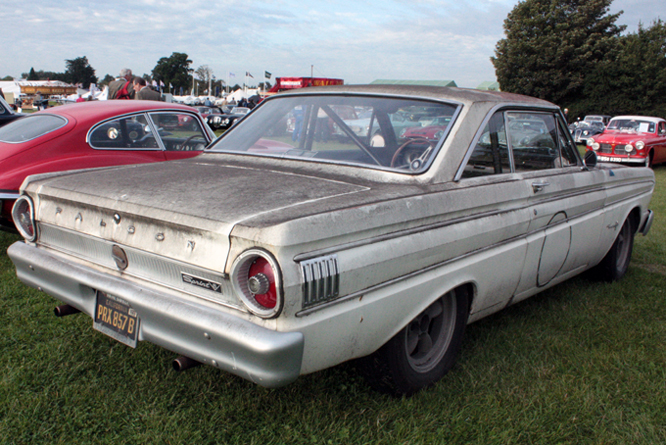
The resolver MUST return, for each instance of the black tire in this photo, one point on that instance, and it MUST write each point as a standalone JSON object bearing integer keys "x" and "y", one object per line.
{"x": 423, "y": 351}
{"x": 616, "y": 262}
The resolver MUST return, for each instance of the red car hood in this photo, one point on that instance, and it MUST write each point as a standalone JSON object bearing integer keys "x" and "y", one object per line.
{"x": 619, "y": 137}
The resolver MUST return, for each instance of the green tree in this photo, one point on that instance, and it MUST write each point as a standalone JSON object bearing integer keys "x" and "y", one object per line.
{"x": 633, "y": 81}
{"x": 174, "y": 70}
{"x": 79, "y": 71}
{"x": 107, "y": 79}
{"x": 31, "y": 75}
{"x": 550, "y": 45}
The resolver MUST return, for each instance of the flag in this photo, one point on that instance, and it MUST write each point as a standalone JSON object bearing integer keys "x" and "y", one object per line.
{"x": 155, "y": 83}
{"x": 247, "y": 73}
{"x": 232, "y": 75}
{"x": 267, "y": 75}
{"x": 170, "y": 86}
{"x": 161, "y": 84}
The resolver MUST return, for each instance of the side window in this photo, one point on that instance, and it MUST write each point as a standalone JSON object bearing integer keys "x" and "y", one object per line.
{"x": 662, "y": 128}
{"x": 533, "y": 138}
{"x": 179, "y": 131}
{"x": 124, "y": 133}
{"x": 568, "y": 148}
{"x": 491, "y": 154}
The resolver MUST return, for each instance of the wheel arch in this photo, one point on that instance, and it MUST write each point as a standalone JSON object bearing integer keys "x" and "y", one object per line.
{"x": 635, "y": 217}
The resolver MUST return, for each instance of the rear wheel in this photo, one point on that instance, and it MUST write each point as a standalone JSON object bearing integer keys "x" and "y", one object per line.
{"x": 616, "y": 262}
{"x": 424, "y": 350}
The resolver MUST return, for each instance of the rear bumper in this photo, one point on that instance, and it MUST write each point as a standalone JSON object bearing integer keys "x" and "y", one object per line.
{"x": 263, "y": 356}
{"x": 645, "y": 228}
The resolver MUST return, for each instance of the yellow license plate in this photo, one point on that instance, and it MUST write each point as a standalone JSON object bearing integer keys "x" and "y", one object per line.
{"x": 115, "y": 318}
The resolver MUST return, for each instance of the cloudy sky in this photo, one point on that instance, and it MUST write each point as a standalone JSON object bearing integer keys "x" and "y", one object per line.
{"x": 356, "y": 40}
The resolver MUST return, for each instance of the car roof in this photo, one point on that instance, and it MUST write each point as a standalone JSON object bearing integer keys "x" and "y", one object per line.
{"x": 97, "y": 110}
{"x": 640, "y": 118}
{"x": 463, "y": 95}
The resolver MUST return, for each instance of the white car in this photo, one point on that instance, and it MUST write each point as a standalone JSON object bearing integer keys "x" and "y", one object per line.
{"x": 271, "y": 255}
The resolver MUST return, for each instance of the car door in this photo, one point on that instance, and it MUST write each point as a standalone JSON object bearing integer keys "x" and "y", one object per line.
{"x": 500, "y": 200}
{"x": 566, "y": 201}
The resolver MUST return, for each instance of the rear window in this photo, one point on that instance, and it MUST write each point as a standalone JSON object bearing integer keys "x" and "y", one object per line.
{"x": 31, "y": 127}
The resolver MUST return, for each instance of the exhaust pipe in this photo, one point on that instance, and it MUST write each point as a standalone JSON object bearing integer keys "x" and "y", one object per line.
{"x": 65, "y": 309}
{"x": 183, "y": 363}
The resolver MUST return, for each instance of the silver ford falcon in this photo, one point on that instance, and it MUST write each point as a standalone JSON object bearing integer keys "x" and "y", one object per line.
{"x": 314, "y": 232}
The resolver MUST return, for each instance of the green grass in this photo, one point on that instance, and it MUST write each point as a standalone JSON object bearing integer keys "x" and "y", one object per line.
{"x": 582, "y": 363}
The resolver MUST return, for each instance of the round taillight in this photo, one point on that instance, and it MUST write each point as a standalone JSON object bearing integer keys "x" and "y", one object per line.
{"x": 24, "y": 218}
{"x": 256, "y": 279}
{"x": 261, "y": 282}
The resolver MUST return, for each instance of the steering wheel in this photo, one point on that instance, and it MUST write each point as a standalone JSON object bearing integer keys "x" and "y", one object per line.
{"x": 408, "y": 157}
{"x": 183, "y": 146}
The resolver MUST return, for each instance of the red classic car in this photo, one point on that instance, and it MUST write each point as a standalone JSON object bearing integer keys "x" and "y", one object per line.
{"x": 432, "y": 131}
{"x": 638, "y": 140}
{"x": 94, "y": 134}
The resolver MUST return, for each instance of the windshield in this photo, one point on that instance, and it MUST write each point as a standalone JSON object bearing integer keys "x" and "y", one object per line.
{"x": 362, "y": 130}
{"x": 632, "y": 125}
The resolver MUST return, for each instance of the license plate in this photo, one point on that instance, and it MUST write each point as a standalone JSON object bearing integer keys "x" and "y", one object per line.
{"x": 609, "y": 159}
{"x": 115, "y": 318}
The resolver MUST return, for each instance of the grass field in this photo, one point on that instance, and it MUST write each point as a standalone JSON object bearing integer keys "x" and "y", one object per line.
{"x": 582, "y": 363}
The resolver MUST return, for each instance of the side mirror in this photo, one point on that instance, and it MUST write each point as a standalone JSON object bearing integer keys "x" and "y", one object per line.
{"x": 590, "y": 159}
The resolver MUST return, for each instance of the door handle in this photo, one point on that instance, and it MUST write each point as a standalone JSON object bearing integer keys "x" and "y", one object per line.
{"x": 539, "y": 186}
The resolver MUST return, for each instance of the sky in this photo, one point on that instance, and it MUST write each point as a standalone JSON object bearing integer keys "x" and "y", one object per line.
{"x": 355, "y": 40}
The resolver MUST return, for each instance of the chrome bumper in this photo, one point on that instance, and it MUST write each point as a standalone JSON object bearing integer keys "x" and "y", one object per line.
{"x": 645, "y": 228}
{"x": 210, "y": 336}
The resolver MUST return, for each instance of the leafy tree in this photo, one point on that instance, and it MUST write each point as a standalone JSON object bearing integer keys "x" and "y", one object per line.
{"x": 32, "y": 75}
{"x": 79, "y": 71}
{"x": 8, "y": 78}
{"x": 633, "y": 81}
{"x": 174, "y": 70}
{"x": 107, "y": 79}
{"x": 551, "y": 44}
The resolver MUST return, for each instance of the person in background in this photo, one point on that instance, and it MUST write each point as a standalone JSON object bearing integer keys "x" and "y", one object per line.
{"x": 80, "y": 99}
{"x": 143, "y": 92}
{"x": 122, "y": 88}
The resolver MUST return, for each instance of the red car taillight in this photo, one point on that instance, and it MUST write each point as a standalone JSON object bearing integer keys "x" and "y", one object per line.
{"x": 256, "y": 279}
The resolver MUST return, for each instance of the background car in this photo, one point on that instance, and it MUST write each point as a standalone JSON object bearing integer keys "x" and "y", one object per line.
{"x": 635, "y": 140}
{"x": 224, "y": 121}
{"x": 275, "y": 257}
{"x": 206, "y": 111}
{"x": 7, "y": 114}
{"x": 587, "y": 129}
{"x": 434, "y": 129}
{"x": 94, "y": 134}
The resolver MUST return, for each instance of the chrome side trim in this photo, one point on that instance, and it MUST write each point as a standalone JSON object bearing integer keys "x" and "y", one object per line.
{"x": 9, "y": 195}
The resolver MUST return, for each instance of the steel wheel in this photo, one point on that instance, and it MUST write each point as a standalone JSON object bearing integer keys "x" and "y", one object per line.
{"x": 428, "y": 336}
{"x": 424, "y": 350}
